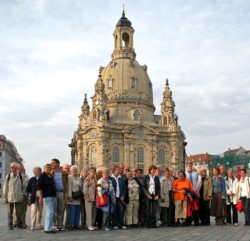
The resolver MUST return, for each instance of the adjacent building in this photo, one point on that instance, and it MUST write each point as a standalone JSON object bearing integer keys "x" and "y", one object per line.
{"x": 200, "y": 161}
{"x": 119, "y": 124}
{"x": 233, "y": 158}
{"x": 8, "y": 154}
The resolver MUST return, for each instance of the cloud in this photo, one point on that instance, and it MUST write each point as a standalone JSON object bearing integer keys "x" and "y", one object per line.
{"x": 51, "y": 52}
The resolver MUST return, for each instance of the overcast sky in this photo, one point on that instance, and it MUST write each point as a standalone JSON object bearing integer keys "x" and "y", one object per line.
{"x": 51, "y": 50}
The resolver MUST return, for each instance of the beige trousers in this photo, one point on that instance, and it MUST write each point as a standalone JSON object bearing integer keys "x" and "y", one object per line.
{"x": 36, "y": 210}
{"x": 131, "y": 213}
{"x": 180, "y": 209}
{"x": 90, "y": 208}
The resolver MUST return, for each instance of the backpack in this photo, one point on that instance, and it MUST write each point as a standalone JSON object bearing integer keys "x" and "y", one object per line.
{"x": 20, "y": 175}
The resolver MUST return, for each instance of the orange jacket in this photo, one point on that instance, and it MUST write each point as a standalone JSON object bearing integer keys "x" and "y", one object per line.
{"x": 180, "y": 184}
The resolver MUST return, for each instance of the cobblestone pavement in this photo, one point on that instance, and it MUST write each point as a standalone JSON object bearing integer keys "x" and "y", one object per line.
{"x": 201, "y": 233}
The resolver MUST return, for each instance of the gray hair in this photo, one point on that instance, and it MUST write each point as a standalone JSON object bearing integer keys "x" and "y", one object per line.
{"x": 73, "y": 167}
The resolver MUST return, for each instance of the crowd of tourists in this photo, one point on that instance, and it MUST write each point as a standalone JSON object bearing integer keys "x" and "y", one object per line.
{"x": 123, "y": 198}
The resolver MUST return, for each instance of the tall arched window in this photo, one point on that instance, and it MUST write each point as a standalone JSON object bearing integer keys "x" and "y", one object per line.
{"x": 110, "y": 82}
{"x": 140, "y": 157}
{"x": 116, "y": 154}
{"x": 93, "y": 154}
{"x": 133, "y": 83}
{"x": 161, "y": 156}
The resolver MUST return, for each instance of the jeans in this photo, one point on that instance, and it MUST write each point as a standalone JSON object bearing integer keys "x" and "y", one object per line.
{"x": 74, "y": 215}
{"x": 59, "y": 210}
{"x": 118, "y": 213}
{"x": 49, "y": 205}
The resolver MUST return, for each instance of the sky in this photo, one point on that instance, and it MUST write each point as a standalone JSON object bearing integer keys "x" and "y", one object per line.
{"x": 51, "y": 50}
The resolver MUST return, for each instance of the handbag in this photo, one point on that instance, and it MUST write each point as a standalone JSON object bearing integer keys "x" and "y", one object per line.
{"x": 78, "y": 194}
{"x": 105, "y": 200}
{"x": 239, "y": 206}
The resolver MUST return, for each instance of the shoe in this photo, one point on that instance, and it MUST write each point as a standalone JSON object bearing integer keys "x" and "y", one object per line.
{"x": 124, "y": 227}
{"x": 32, "y": 228}
{"x": 55, "y": 228}
{"x": 10, "y": 227}
{"x": 77, "y": 228}
{"x": 107, "y": 229}
{"x": 91, "y": 229}
{"x": 115, "y": 227}
{"x": 95, "y": 228}
{"x": 50, "y": 232}
{"x": 235, "y": 224}
{"x": 22, "y": 226}
{"x": 176, "y": 225}
{"x": 61, "y": 229}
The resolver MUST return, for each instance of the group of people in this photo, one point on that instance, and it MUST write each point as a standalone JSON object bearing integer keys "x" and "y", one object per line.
{"x": 126, "y": 198}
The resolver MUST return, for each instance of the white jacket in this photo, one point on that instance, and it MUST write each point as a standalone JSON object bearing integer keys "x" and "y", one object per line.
{"x": 248, "y": 188}
{"x": 234, "y": 189}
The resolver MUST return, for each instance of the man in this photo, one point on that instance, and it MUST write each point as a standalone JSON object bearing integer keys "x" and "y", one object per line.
{"x": 222, "y": 171}
{"x": 25, "y": 202}
{"x": 122, "y": 174}
{"x": 61, "y": 183}
{"x": 120, "y": 192}
{"x": 47, "y": 195}
{"x": 84, "y": 173}
{"x": 66, "y": 168}
{"x": 193, "y": 176}
{"x": 151, "y": 188}
{"x": 36, "y": 208}
{"x": 13, "y": 194}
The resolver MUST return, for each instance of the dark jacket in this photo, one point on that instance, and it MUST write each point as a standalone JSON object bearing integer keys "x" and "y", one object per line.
{"x": 47, "y": 185}
{"x": 122, "y": 186}
{"x": 31, "y": 189}
{"x": 146, "y": 185}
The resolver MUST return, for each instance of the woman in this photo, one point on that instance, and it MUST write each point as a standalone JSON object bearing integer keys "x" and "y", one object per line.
{"x": 244, "y": 193}
{"x": 74, "y": 198}
{"x": 218, "y": 205}
{"x": 132, "y": 206}
{"x": 89, "y": 190}
{"x": 205, "y": 197}
{"x": 166, "y": 201}
{"x": 36, "y": 208}
{"x": 232, "y": 186}
{"x": 104, "y": 186}
{"x": 151, "y": 188}
{"x": 180, "y": 187}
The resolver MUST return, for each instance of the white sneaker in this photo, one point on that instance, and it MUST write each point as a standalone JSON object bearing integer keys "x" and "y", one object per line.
{"x": 32, "y": 228}
{"x": 124, "y": 227}
{"x": 91, "y": 229}
{"x": 95, "y": 228}
{"x": 115, "y": 227}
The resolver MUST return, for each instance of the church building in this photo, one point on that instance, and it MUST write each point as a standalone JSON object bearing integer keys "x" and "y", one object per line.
{"x": 118, "y": 124}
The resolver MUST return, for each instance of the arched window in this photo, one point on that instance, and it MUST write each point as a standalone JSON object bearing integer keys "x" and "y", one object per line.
{"x": 161, "y": 156}
{"x": 116, "y": 154}
{"x": 140, "y": 157}
{"x": 93, "y": 154}
{"x": 136, "y": 115}
{"x": 125, "y": 40}
{"x": 110, "y": 82}
{"x": 133, "y": 83}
